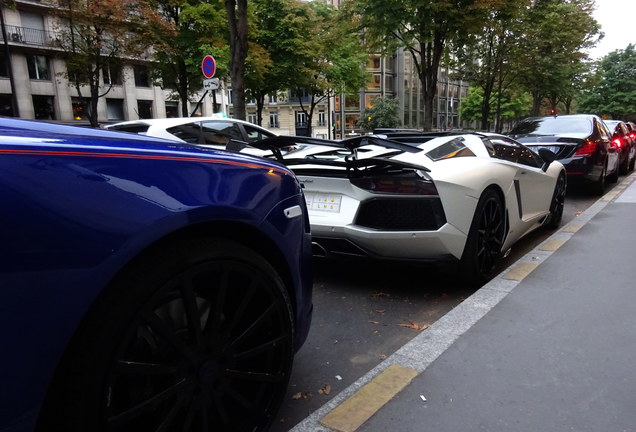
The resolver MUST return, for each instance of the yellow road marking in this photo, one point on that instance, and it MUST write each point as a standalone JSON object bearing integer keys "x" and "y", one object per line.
{"x": 520, "y": 271}
{"x": 552, "y": 245}
{"x": 572, "y": 228}
{"x": 353, "y": 412}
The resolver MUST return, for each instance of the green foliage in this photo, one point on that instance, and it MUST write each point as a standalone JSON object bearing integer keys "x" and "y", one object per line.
{"x": 100, "y": 33}
{"x": 200, "y": 29}
{"x": 422, "y": 27}
{"x": 512, "y": 106}
{"x": 553, "y": 49}
{"x": 383, "y": 114}
{"x": 614, "y": 95}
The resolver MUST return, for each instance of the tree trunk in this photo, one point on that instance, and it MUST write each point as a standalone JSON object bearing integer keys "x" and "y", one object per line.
{"x": 536, "y": 104}
{"x": 237, "y": 23}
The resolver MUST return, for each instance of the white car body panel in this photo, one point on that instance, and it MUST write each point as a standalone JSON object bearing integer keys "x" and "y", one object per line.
{"x": 459, "y": 181}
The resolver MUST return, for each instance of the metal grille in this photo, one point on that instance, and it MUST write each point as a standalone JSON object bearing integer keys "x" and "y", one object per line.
{"x": 402, "y": 215}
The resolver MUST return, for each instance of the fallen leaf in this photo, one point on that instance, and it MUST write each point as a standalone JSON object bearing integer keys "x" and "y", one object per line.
{"x": 382, "y": 356}
{"x": 380, "y": 294}
{"x": 415, "y": 326}
{"x": 380, "y": 311}
{"x": 325, "y": 390}
{"x": 374, "y": 322}
{"x": 297, "y": 396}
{"x": 335, "y": 341}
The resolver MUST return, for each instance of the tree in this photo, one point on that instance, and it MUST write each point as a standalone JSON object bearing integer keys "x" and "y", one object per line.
{"x": 383, "y": 114}
{"x": 98, "y": 34}
{"x": 614, "y": 95}
{"x": 238, "y": 25}
{"x": 199, "y": 30}
{"x": 330, "y": 61}
{"x": 422, "y": 28}
{"x": 512, "y": 106}
{"x": 484, "y": 58}
{"x": 553, "y": 47}
{"x": 278, "y": 36}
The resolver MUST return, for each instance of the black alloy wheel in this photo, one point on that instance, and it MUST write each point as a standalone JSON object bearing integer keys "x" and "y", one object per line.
{"x": 557, "y": 204}
{"x": 485, "y": 239}
{"x": 599, "y": 186}
{"x": 208, "y": 346}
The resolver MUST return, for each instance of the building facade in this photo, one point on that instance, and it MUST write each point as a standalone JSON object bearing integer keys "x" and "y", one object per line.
{"x": 33, "y": 85}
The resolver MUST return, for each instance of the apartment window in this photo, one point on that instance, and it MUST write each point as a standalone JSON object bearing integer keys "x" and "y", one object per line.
{"x": 375, "y": 83}
{"x": 251, "y": 117}
{"x": 252, "y": 101}
{"x": 43, "y": 107}
{"x": 4, "y": 71}
{"x": 352, "y": 102}
{"x": 142, "y": 76}
{"x": 273, "y": 99}
{"x": 144, "y": 109}
{"x": 6, "y": 105}
{"x": 322, "y": 118}
{"x": 81, "y": 108}
{"x": 388, "y": 83}
{"x": 351, "y": 121}
{"x": 172, "y": 109}
{"x": 115, "y": 109}
{"x": 374, "y": 62}
{"x": 273, "y": 120}
{"x": 38, "y": 67}
{"x": 368, "y": 100}
{"x": 112, "y": 75}
{"x": 301, "y": 118}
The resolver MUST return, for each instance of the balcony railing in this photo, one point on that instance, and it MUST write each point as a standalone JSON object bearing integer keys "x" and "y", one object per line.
{"x": 31, "y": 36}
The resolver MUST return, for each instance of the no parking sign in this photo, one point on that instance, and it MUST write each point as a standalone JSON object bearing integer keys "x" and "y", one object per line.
{"x": 208, "y": 66}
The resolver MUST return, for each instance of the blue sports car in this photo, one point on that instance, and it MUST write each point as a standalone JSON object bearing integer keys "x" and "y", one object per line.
{"x": 145, "y": 285}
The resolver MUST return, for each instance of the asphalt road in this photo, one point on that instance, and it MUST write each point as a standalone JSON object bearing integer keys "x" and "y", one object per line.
{"x": 364, "y": 311}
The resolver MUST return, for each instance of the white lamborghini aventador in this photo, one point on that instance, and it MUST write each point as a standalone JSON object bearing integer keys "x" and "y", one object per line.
{"x": 462, "y": 197}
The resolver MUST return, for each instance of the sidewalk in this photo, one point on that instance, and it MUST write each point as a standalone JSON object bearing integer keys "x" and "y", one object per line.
{"x": 548, "y": 345}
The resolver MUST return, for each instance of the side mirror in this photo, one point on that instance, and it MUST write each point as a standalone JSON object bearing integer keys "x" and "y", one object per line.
{"x": 548, "y": 157}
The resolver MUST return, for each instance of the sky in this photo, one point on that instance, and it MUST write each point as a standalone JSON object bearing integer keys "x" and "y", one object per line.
{"x": 618, "y": 21}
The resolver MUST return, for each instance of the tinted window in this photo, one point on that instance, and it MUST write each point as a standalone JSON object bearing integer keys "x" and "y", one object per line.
{"x": 512, "y": 151}
{"x": 134, "y": 128}
{"x": 188, "y": 132}
{"x": 254, "y": 134}
{"x": 553, "y": 125}
{"x": 453, "y": 148}
{"x": 220, "y": 132}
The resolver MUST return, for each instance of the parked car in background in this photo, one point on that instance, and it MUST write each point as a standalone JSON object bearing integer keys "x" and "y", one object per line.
{"x": 459, "y": 198}
{"x": 626, "y": 143}
{"x": 582, "y": 143}
{"x": 216, "y": 131}
{"x": 146, "y": 284}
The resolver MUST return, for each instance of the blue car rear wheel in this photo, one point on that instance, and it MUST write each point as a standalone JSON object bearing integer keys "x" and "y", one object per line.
{"x": 196, "y": 336}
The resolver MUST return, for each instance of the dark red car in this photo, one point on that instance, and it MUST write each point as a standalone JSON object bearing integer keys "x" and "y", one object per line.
{"x": 625, "y": 140}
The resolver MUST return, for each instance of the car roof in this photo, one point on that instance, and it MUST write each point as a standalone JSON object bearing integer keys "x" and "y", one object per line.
{"x": 174, "y": 121}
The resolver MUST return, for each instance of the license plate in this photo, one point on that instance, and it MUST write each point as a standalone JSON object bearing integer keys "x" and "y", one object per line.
{"x": 553, "y": 149}
{"x": 323, "y": 202}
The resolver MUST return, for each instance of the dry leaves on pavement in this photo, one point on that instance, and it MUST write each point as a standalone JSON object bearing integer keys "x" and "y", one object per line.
{"x": 415, "y": 326}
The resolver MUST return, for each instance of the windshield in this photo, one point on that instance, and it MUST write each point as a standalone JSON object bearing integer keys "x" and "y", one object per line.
{"x": 553, "y": 125}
